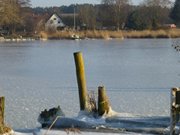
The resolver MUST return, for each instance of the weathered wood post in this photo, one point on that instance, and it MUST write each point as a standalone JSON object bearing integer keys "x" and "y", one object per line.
{"x": 2, "y": 105}
{"x": 103, "y": 103}
{"x": 175, "y": 109}
{"x": 81, "y": 80}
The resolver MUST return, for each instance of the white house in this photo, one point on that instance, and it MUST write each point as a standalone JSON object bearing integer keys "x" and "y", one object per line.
{"x": 54, "y": 23}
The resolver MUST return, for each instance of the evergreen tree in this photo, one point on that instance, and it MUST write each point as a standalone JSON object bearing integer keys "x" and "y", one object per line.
{"x": 175, "y": 13}
{"x": 136, "y": 22}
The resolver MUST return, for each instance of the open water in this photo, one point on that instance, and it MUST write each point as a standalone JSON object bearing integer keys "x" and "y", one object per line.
{"x": 137, "y": 73}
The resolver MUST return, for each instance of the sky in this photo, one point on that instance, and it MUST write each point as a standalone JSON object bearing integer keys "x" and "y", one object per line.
{"x": 48, "y": 3}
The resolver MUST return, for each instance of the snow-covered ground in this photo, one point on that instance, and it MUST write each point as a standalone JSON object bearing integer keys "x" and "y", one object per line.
{"x": 60, "y": 132}
{"x": 110, "y": 124}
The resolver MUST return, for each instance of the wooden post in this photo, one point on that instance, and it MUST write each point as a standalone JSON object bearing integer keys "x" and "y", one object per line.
{"x": 2, "y": 105}
{"x": 81, "y": 80}
{"x": 175, "y": 109}
{"x": 103, "y": 103}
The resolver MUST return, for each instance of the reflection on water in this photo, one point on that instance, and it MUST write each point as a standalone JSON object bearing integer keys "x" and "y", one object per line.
{"x": 137, "y": 73}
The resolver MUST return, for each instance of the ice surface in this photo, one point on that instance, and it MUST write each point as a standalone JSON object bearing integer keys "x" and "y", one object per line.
{"x": 137, "y": 74}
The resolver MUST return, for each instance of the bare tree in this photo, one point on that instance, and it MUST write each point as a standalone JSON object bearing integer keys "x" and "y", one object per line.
{"x": 158, "y": 11}
{"x": 162, "y": 3}
{"x": 87, "y": 15}
{"x": 11, "y": 11}
{"x": 24, "y": 3}
{"x": 119, "y": 9}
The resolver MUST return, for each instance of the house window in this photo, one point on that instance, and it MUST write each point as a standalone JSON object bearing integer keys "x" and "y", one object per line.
{"x": 51, "y": 22}
{"x": 59, "y": 22}
{"x": 54, "y": 18}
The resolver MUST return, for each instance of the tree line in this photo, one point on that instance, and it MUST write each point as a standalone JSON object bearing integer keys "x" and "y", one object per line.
{"x": 18, "y": 15}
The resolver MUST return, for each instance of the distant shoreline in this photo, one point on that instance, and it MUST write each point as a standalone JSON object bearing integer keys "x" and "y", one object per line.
{"x": 98, "y": 34}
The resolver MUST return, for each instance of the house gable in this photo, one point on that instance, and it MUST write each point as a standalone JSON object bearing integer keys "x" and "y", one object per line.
{"x": 54, "y": 22}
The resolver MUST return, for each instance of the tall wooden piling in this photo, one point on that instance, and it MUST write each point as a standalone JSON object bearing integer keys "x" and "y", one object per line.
{"x": 81, "y": 80}
{"x": 2, "y": 105}
{"x": 175, "y": 109}
{"x": 103, "y": 103}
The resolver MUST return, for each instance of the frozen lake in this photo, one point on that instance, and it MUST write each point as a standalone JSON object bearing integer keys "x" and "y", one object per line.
{"x": 137, "y": 73}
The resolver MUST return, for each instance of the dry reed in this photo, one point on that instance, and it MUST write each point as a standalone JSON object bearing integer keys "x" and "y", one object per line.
{"x": 104, "y": 34}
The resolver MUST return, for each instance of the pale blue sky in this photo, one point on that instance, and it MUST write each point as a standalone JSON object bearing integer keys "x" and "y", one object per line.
{"x": 47, "y": 3}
